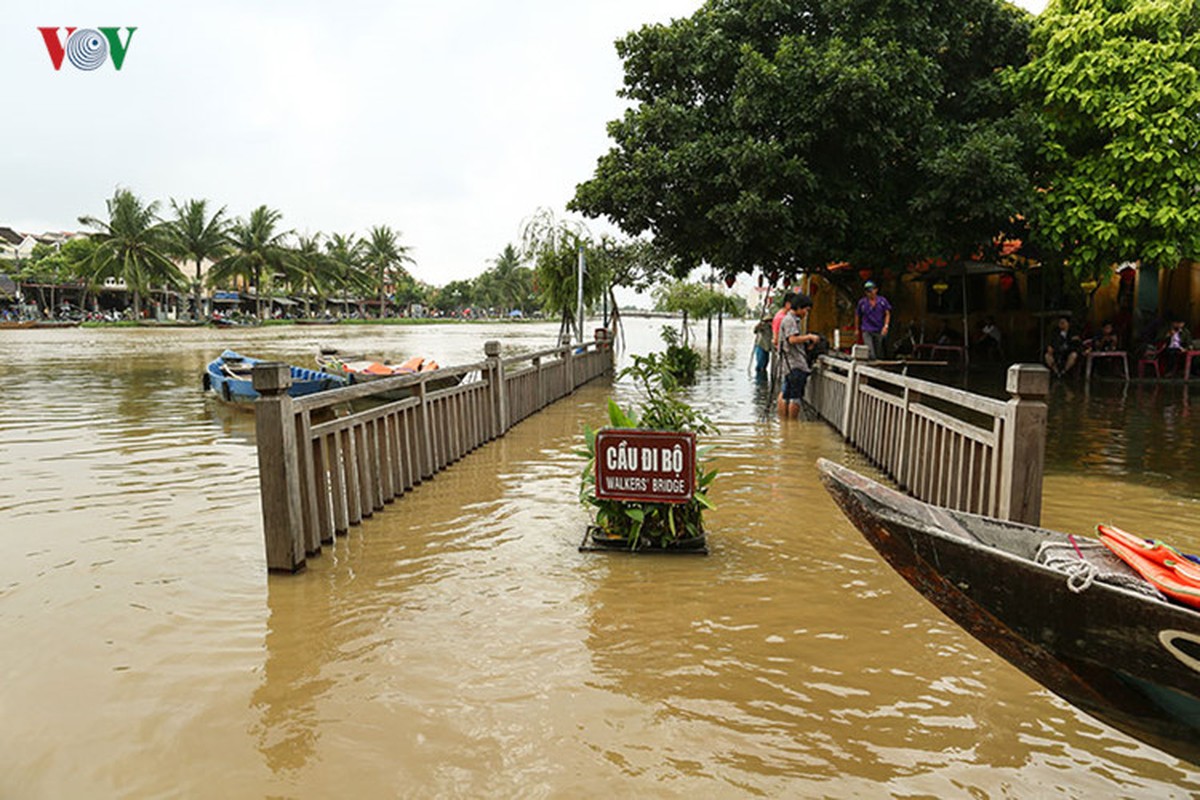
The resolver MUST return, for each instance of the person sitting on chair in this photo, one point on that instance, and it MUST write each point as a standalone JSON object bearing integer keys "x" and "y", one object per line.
{"x": 1062, "y": 352}
{"x": 990, "y": 343}
{"x": 1175, "y": 344}
{"x": 1106, "y": 341}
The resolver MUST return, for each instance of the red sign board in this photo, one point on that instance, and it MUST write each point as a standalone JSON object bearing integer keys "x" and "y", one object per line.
{"x": 637, "y": 466}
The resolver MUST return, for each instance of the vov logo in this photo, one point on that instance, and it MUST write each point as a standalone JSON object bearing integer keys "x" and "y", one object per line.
{"x": 87, "y": 48}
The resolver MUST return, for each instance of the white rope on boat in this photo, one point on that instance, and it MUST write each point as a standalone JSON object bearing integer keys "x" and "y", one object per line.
{"x": 1085, "y": 561}
{"x": 1081, "y": 574}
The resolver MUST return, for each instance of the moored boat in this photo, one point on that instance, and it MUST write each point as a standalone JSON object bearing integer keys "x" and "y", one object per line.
{"x": 229, "y": 377}
{"x": 361, "y": 369}
{"x": 1063, "y": 609}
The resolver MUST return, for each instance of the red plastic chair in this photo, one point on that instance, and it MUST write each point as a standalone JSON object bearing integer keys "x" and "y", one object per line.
{"x": 1150, "y": 358}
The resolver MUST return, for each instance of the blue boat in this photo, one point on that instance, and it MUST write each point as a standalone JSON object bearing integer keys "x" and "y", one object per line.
{"x": 229, "y": 378}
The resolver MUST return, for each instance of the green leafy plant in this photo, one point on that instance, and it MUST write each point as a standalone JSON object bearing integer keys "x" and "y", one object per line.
{"x": 651, "y": 524}
{"x": 679, "y": 361}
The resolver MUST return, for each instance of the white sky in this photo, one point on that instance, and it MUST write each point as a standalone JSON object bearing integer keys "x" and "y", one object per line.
{"x": 452, "y": 122}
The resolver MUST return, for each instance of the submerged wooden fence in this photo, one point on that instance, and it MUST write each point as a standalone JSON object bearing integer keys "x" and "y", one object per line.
{"x": 944, "y": 445}
{"x": 320, "y": 472}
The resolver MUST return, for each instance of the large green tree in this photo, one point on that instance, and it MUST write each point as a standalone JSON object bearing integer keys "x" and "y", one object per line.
{"x": 789, "y": 134}
{"x": 132, "y": 245}
{"x": 197, "y": 235}
{"x": 1117, "y": 83}
{"x": 51, "y": 265}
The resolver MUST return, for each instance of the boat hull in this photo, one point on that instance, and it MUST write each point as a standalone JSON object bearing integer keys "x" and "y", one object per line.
{"x": 1128, "y": 659}
{"x": 239, "y": 389}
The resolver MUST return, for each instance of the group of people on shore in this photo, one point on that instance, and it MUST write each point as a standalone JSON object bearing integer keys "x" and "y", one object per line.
{"x": 784, "y": 336}
{"x": 1168, "y": 348}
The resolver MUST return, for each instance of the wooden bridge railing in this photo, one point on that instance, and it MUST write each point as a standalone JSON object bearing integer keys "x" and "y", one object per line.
{"x": 321, "y": 471}
{"x": 944, "y": 445}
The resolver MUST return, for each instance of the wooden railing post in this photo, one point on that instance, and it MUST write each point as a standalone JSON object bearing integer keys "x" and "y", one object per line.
{"x": 858, "y": 355}
{"x": 499, "y": 388}
{"x": 426, "y": 467}
{"x": 541, "y": 389}
{"x": 1024, "y": 447}
{"x": 278, "y": 470}
{"x": 569, "y": 370}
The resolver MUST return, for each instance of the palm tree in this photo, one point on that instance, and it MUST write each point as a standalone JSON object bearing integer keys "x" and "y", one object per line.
{"x": 132, "y": 246}
{"x": 198, "y": 236}
{"x": 345, "y": 268}
{"x": 510, "y": 282}
{"x": 310, "y": 266}
{"x": 385, "y": 257}
{"x": 254, "y": 246}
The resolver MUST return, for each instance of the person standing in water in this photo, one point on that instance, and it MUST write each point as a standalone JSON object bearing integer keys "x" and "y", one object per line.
{"x": 792, "y": 355}
{"x": 873, "y": 317}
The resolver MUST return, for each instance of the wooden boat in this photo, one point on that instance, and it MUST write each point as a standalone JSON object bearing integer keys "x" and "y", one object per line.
{"x": 229, "y": 377}
{"x": 17, "y": 323}
{"x": 1062, "y": 609}
{"x": 361, "y": 369}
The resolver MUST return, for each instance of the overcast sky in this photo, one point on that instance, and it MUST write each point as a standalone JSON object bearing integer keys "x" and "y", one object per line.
{"x": 452, "y": 122}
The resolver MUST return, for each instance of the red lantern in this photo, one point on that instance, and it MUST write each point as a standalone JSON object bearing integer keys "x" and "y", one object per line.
{"x": 865, "y": 274}
{"x": 1006, "y": 282}
{"x": 729, "y": 280}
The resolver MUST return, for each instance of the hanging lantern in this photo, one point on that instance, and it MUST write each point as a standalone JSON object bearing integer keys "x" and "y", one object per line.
{"x": 865, "y": 274}
{"x": 773, "y": 277}
{"x": 729, "y": 280}
{"x": 940, "y": 286}
{"x": 1007, "y": 281}
{"x": 1089, "y": 285}
{"x": 888, "y": 274}
{"x": 760, "y": 280}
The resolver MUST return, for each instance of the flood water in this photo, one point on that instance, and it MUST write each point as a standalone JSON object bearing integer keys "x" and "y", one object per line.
{"x": 458, "y": 644}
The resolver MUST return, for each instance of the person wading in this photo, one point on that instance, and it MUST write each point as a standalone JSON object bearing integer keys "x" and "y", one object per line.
{"x": 792, "y": 355}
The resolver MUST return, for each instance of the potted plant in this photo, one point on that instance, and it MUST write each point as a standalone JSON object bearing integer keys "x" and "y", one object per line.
{"x": 644, "y": 526}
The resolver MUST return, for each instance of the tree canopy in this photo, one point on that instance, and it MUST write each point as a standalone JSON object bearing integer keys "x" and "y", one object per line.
{"x": 1117, "y": 83}
{"x": 788, "y": 134}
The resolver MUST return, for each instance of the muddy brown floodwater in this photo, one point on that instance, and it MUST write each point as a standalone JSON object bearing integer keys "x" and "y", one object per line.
{"x": 458, "y": 645}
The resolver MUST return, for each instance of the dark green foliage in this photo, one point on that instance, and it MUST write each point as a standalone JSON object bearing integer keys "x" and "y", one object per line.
{"x": 1117, "y": 83}
{"x": 788, "y": 134}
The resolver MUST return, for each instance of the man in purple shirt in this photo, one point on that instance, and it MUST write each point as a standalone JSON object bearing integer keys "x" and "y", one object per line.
{"x": 872, "y": 317}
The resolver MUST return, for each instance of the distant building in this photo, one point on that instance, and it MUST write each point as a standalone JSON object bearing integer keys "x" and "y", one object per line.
{"x": 16, "y": 246}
